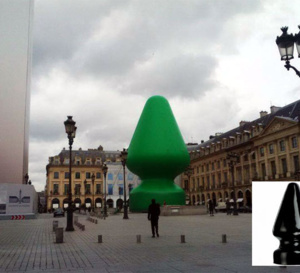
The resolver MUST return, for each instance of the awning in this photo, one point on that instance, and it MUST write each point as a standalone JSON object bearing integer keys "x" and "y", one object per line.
{"x": 220, "y": 199}
{"x": 240, "y": 200}
{"x": 231, "y": 201}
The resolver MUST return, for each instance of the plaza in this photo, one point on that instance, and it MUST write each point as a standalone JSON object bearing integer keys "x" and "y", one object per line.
{"x": 29, "y": 246}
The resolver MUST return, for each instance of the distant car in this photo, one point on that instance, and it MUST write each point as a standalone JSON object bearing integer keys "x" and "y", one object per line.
{"x": 245, "y": 209}
{"x": 221, "y": 207}
{"x": 59, "y": 212}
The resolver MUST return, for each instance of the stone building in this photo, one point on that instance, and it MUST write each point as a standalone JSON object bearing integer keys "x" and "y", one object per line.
{"x": 86, "y": 191}
{"x": 265, "y": 149}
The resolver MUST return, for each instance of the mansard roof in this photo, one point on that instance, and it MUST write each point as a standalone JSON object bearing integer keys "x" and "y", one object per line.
{"x": 290, "y": 112}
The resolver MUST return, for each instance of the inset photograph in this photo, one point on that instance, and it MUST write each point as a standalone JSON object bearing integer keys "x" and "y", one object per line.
{"x": 276, "y": 223}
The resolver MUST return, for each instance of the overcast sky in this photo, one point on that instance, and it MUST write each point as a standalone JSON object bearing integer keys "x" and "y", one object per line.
{"x": 215, "y": 61}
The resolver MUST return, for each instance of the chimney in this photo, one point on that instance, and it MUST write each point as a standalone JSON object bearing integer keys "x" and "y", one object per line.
{"x": 211, "y": 137}
{"x": 202, "y": 141}
{"x": 274, "y": 109}
{"x": 263, "y": 113}
{"x": 243, "y": 122}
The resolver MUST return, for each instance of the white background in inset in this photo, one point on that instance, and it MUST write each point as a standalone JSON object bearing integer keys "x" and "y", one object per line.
{"x": 266, "y": 201}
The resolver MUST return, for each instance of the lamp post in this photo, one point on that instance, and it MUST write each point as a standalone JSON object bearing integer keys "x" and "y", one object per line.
{"x": 232, "y": 159}
{"x": 285, "y": 45}
{"x": 104, "y": 170}
{"x": 71, "y": 132}
{"x": 188, "y": 172}
{"x": 93, "y": 201}
{"x": 84, "y": 182}
{"x": 124, "y": 154}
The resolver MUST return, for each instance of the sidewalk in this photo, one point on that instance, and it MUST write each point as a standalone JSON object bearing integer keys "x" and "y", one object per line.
{"x": 28, "y": 246}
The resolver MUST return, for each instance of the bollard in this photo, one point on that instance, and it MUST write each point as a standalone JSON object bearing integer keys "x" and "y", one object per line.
{"x": 96, "y": 221}
{"x": 75, "y": 219}
{"x": 224, "y": 240}
{"x": 138, "y": 239}
{"x": 55, "y": 225}
{"x": 99, "y": 238}
{"x": 182, "y": 238}
{"x": 59, "y": 232}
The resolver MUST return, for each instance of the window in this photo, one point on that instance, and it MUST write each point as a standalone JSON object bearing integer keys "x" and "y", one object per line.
{"x": 55, "y": 189}
{"x": 88, "y": 189}
{"x": 271, "y": 148}
{"x": 213, "y": 166}
{"x": 282, "y": 145}
{"x": 213, "y": 181}
{"x": 67, "y": 161}
{"x": 110, "y": 189}
{"x": 120, "y": 189}
{"x": 56, "y": 175}
{"x": 110, "y": 176}
{"x": 87, "y": 175}
{"x": 77, "y": 175}
{"x": 263, "y": 169}
{"x": 208, "y": 182}
{"x": 98, "y": 175}
{"x": 218, "y": 164}
{"x": 66, "y": 175}
{"x": 66, "y": 189}
{"x": 207, "y": 167}
{"x": 98, "y": 188}
{"x": 77, "y": 189}
{"x": 130, "y": 176}
{"x": 296, "y": 163}
{"x": 284, "y": 166}
{"x": 120, "y": 176}
{"x": 224, "y": 163}
{"x": 262, "y": 151}
{"x": 294, "y": 142}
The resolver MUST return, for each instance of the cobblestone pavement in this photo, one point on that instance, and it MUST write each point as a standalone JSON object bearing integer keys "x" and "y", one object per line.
{"x": 28, "y": 246}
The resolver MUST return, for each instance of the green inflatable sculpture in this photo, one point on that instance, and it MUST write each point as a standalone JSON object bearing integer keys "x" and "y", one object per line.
{"x": 157, "y": 154}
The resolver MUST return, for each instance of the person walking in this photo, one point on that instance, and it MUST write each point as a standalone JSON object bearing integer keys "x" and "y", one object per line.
{"x": 153, "y": 216}
{"x": 211, "y": 208}
{"x": 228, "y": 210}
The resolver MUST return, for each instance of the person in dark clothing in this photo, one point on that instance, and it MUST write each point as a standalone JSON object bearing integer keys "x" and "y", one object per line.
{"x": 211, "y": 207}
{"x": 153, "y": 215}
{"x": 228, "y": 210}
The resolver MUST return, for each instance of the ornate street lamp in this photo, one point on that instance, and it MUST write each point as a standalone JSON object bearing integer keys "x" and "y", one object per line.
{"x": 232, "y": 159}
{"x": 188, "y": 172}
{"x": 124, "y": 154}
{"x": 84, "y": 182}
{"x": 71, "y": 132}
{"x": 285, "y": 45}
{"x": 93, "y": 201}
{"x": 104, "y": 170}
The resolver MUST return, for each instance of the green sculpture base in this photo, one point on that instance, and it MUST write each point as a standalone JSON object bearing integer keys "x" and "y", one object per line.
{"x": 162, "y": 190}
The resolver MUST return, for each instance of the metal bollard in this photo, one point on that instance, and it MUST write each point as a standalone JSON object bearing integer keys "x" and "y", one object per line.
{"x": 55, "y": 225}
{"x": 224, "y": 240}
{"x": 96, "y": 221}
{"x": 59, "y": 232}
{"x": 99, "y": 238}
{"x": 182, "y": 237}
{"x": 138, "y": 239}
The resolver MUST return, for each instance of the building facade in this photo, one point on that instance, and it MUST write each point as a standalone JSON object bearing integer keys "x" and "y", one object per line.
{"x": 88, "y": 183}
{"x": 15, "y": 76}
{"x": 266, "y": 149}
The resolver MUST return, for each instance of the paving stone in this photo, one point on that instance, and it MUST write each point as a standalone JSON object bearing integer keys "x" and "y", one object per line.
{"x": 29, "y": 246}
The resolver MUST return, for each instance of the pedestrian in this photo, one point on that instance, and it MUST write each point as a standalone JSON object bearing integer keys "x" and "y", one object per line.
{"x": 211, "y": 208}
{"x": 153, "y": 216}
{"x": 228, "y": 210}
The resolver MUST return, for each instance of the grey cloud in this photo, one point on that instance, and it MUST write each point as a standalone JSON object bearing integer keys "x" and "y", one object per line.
{"x": 63, "y": 37}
